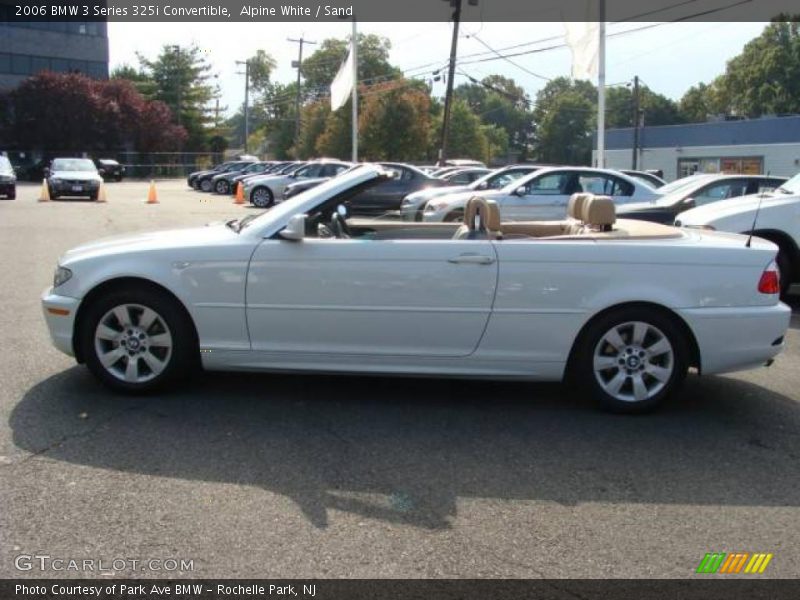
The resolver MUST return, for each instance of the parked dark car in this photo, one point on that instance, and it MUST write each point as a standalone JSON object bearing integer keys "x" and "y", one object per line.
{"x": 697, "y": 190}
{"x": 191, "y": 179}
{"x": 110, "y": 169}
{"x": 225, "y": 183}
{"x": 386, "y": 197}
{"x": 204, "y": 182}
{"x": 8, "y": 179}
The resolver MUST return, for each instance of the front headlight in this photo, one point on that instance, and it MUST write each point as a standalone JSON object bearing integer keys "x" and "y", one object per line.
{"x": 56, "y": 181}
{"x": 61, "y": 276}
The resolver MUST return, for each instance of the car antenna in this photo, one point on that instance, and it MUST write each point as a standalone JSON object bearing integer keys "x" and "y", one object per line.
{"x": 755, "y": 218}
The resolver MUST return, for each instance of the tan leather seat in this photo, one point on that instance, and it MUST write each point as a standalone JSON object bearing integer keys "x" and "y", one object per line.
{"x": 470, "y": 211}
{"x": 575, "y": 220}
{"x": 599, "y": 214}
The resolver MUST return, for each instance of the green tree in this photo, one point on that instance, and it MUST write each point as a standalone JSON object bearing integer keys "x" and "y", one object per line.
{"x": 180, "y": 78}
{"x": 321, "y": 67}
{"x": 500, "y": 102}
{"x": 765, "y": 77}
{"x": 394, "y": 122}
{"x": 563, "y": 127}
{"x": 657, "y": 109}
{"x": 314, "y": 118}
{"x": 466, "y": 138}
{"x": 335, "y": 141}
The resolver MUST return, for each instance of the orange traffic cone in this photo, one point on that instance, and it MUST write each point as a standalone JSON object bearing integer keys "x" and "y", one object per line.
{"x": 152, "y": 195}
{"x": 239, "y": 199}
{"x": 44, "y": 195}
{"x": 102, "y": 196}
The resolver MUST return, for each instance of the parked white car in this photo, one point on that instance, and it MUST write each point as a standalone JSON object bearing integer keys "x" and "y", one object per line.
{"x": 543, "y": 194}
{"x": 774, "y": 216}
{"x": 264, "y": 191}
{"x": 414, "y": 204}
{"x": 623, "y": 308}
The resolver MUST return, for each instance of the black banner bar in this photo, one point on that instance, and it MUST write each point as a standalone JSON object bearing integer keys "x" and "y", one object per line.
{"x": 390, "y": 10}
{"x": 702, "y": 588}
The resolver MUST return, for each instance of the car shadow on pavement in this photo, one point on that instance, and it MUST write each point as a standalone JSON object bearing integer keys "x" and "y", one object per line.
{"x": 407, "y": 450}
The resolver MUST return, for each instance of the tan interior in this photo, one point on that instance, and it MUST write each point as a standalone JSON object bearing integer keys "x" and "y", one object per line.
{"x": 589, "y": 216}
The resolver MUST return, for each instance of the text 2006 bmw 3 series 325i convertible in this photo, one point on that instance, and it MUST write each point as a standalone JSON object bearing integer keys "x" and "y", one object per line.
{"x": 623, "y": 308}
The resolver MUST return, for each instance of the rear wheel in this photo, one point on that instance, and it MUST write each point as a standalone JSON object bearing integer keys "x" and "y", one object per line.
{"x": 262, "y": 197}
{"x": 632, "y": 359}
{"x": 137, "y": 340}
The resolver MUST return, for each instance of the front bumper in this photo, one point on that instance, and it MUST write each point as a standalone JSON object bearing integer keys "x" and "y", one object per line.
{"x": 739, "y": 338}
{"x": 7, "y": 187}
{"x": 59, "y": 314}
{"x": 67, "y": 187}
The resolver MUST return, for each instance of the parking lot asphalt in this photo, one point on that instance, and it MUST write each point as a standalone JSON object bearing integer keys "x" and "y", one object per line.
{"x": 321, "y": 476}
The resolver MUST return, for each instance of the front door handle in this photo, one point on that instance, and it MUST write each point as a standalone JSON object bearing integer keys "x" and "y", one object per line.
{"x": 471, "y": 259}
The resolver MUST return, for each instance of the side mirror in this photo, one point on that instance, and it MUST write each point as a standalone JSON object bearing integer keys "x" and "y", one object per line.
{"x": 520, "y": 191}
{"x": 688, "y": 202}
{"x": 483, "y": 186}
{"x": 295, "y": 229}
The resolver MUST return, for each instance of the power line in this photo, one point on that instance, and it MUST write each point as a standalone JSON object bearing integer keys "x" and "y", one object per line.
{"x": 508, "y": 60}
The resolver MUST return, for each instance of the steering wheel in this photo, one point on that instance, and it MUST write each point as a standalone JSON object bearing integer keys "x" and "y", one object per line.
{"x": 339, "y": 226}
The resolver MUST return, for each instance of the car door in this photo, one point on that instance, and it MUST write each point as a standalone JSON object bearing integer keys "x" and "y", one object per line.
{"x": 720, "y": 190}
{"x": 385, "y": 197}
{"x": 340, "y": 297}
{"x": 543, "y": 198}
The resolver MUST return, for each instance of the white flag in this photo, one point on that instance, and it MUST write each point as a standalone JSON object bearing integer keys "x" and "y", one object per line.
{"x": 584, "y": 41}
{"x": 343, "y": 83}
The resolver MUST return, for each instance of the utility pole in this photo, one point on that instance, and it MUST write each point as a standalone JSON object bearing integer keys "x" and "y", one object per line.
{"x": 451, "y": 70}
{"x": 298, "y": 64}
{"x": 354, "y": 93}
{"x": 177, "y": 50}
{"x": 246, "y": 64}
{"x": 636, "y": 110}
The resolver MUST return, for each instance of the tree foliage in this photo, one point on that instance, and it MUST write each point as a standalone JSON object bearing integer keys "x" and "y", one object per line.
{"x": 59, "y": 112}
{"x": 394, "y": 122}
{"x": 179, "y": 77}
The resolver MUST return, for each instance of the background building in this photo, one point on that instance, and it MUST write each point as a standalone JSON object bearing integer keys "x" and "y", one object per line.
{"x": 27, "y": 48}
{"x": 764, "y": 145}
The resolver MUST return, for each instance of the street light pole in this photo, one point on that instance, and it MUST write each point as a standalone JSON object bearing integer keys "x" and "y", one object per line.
{"x": 246, "y": 64}
{"x": 448, "y": 97}
{"x": 298, "y": 64}
{"x": 635, "y": 157}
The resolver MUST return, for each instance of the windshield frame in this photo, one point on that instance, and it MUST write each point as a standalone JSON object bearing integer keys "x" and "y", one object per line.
{"x": 791, "y": 186}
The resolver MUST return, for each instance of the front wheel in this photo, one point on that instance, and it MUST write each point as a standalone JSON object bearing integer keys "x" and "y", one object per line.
{"x": 631, "y": 360}
{"x": 222, "y": 187}
{"x": 262, "y": 197}
{"x": 137, "y": 340}
{"x": 205, "y": 185}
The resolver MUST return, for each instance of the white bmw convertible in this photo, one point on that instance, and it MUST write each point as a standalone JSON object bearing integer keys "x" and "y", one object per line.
{"x": 623, "y": 308}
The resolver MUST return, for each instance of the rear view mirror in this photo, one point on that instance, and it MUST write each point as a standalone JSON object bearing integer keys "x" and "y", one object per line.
{"x": 295, "y": 229}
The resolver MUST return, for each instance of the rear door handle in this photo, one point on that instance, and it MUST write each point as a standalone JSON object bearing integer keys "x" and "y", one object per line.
{"x": 471, "y": 259}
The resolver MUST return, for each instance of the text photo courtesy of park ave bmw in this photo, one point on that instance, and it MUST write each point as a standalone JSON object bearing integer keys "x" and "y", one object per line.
{"x": 464, "y": 299}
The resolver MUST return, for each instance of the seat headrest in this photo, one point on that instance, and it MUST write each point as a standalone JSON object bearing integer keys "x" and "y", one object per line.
{"x": 599, "y": 211}
{"x": 575, "y": 206}
{"x": 470, "y": 210}
{"x": 491, "y": 215}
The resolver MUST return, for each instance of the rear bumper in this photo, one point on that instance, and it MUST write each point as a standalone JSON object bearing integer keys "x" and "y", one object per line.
{"x": 734, "y": 339}
{"x": 59, "y": 314}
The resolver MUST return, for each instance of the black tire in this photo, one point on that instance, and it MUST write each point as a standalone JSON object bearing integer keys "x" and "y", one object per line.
{"x": 785, "y": 267}
{"x": 583, "y": 374}
{"x": 93, "y": 196}
{"x": 184, "y": 357}
{"x": 454, "y": 217}
{"x": 262, "y": 197}
{"x": 205, "y": 185}
{"x": 12, "y": 195}
{"x": 118, "y": 178}
{"x": 222, "y": 187}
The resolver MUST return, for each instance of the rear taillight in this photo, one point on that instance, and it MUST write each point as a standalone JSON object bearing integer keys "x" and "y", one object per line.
{"x": 770, "y": 282}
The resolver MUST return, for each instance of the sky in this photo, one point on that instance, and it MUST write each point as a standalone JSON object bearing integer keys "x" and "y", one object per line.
{"x": 669, "y": 58}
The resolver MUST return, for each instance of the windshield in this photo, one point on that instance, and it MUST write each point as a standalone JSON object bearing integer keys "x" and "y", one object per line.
{"x": 293, "y": 205}
{"x": 73, "y": 164}
{"x": 792, "y": 186}
{"x": 681, "y": 183}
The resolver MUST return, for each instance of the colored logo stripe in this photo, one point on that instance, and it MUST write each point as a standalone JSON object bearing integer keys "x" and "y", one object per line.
{"x": 734, "y": 562}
